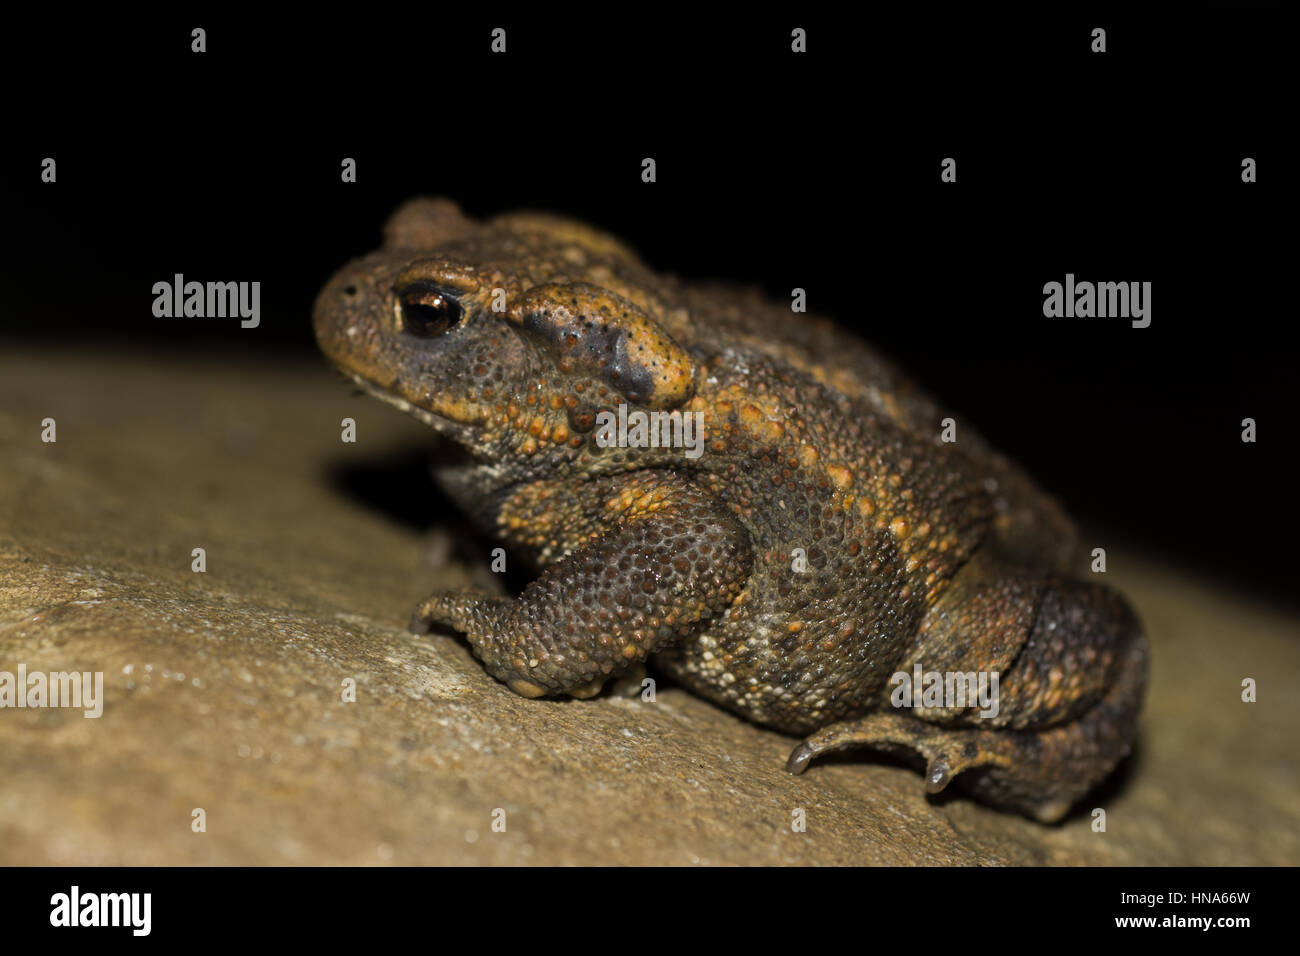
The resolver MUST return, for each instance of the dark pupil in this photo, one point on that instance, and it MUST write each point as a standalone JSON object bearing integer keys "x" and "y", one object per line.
{"x": 428, "y": 310}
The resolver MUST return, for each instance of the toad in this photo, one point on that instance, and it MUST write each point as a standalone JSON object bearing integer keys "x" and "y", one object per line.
{"x": 815, "y": 538}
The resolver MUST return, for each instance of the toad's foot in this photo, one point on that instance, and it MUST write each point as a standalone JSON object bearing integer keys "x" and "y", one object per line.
{"x": 947, "y": 751}
{"x": 1040, "y": 773}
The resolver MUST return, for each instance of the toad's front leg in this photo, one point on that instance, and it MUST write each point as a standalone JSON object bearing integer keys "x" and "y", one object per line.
{"x": 648, "y": 580}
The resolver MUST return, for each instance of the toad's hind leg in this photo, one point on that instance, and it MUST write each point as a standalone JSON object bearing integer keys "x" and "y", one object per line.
{"x": 1068, "y": 709}
{"x": 1039, "y": 773}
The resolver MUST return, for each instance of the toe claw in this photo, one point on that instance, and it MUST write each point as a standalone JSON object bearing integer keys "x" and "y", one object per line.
{"x": 799, "y": 758}
{"x": 937, "y": 775}
{"x": 526, "y": 688}
{"x": 587, "y": 691}
{"x": 1051, "y": 811}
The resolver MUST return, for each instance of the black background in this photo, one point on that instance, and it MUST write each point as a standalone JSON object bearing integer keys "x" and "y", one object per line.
{"x": 819, "y": 171}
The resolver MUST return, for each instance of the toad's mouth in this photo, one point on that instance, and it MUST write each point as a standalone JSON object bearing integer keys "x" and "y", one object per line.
{"x": 461, "y": 432}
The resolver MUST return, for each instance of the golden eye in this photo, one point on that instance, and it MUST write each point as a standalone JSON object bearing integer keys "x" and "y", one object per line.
{"x": 428, "y": 310}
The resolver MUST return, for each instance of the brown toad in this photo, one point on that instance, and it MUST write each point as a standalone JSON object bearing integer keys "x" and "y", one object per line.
{"x": 813, "y": 539}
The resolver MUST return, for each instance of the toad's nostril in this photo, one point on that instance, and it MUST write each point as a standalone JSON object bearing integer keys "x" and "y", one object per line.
{"x": 350, "y": 290}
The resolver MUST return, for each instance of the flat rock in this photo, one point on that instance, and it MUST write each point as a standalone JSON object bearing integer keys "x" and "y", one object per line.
{"x": 223, "y": 690}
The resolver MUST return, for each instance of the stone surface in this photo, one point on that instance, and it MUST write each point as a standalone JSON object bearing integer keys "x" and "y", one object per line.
{"x": 223, "y": 689}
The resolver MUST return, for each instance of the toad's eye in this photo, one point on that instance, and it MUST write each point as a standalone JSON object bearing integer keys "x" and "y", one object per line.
{"x": 428, "y": 310}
